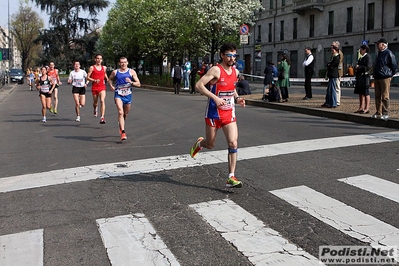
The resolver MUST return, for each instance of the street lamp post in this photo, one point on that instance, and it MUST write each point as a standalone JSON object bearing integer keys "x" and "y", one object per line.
{"x": 8, "y": 39}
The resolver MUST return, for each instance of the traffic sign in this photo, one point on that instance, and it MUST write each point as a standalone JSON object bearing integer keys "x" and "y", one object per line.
{"x": 365, "y": 42}
{"x": 244, "y": 29}
{"x": 240, "y": 64}
{"x": 243, "y": 39}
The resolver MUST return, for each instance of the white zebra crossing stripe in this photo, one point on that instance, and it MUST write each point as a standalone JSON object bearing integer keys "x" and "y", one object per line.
{"x": 22, "y": 249}
{"x": 85, "y": 173}
{"x": 261, "y": 245}
{"x": 131, "y": 240}
{"x": 374, "y": 185}
{"x": 346, "y": 219}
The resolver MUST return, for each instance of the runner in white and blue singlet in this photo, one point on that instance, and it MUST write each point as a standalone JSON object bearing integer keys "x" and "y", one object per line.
{"x": 125, "y": 78}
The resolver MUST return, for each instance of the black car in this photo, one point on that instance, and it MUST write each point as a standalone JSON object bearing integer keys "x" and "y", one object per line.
{"x": 17, "y": 75}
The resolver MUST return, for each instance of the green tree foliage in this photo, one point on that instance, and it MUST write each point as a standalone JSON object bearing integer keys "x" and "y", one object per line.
{"x": 69, "y": 22}
{"x": 221, "y": 20}
{"x": 136, "y": 28}
{"x": 141, "y": 29}
{"x": 25, "y": 26}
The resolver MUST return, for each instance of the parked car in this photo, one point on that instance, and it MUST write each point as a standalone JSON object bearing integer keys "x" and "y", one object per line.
{"x": 17, "y": 75}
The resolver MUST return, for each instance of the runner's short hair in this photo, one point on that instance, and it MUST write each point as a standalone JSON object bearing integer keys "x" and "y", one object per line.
{"x": 227, "y": 47}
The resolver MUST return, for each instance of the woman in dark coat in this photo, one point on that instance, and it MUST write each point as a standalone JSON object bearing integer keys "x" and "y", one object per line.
{"x": 333, "y": 79}
{"x": 267, "y": 80}
{"x": 364, "y": 64}
{"x": 284, "y": 80}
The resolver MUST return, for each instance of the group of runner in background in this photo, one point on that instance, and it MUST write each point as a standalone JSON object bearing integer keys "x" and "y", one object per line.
{"x": 47, "y": 81}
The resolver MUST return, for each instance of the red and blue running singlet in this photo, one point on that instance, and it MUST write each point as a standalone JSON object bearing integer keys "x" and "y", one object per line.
{"x": 223, "y": 88}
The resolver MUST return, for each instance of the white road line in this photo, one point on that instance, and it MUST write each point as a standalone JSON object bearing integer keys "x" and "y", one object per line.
{"x": 260, "y": 244}
{"x": 374, "y": 185}
{"x": 22, "y": 249}
{"x": 85, "y": 173}
{"x": 342, "y": 217}
{"x": 131, "y": 240}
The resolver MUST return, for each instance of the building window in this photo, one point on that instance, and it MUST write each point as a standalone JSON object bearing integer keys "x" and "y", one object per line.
{"x": 397, "y": 13}
{"x": 259, "y": 34}
{"x": 269, "y": 36}
{"x": 282, "y": 2}
{"x": 271, "y": 4}
{"x": 330, "y": 22}
{"x": 295, "y": 29}
{"x": 349, "y": 19}
{"x": 282, "y": 30}
{"x": 370, "y": 16}
{"x": 311, "y": 26}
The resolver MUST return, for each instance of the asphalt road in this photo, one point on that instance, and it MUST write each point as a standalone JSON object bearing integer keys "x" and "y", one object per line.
{"x": 165, "y": 125}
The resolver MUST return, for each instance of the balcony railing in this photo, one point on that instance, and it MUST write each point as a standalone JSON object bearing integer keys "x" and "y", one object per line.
{"x": 301, "y": 6}
{"x": 307, "y": 2}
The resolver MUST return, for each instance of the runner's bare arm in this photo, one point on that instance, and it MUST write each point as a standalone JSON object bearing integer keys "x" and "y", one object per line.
{"x": 111, "y": 78}
{"x": 239, "y": 99}
{"x": 58, "y": 78}
{"x": 89, "y": 74}
{"x": 211, "y": 77}
{"x": 105, "y": 74}
{"x": 135, "y": 82}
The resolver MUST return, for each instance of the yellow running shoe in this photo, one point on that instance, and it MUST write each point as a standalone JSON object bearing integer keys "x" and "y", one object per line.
{"x": 233, "y": 182}
{"x": 196, "y": 147}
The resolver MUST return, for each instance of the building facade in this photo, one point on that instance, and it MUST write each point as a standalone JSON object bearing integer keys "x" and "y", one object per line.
{"x": 14, "y": 59}
{"x": 288, "y": 26}
{"x": 4, "y": 64}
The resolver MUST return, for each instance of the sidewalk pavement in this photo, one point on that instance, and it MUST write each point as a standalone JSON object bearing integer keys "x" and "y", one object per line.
{"x": 296, "y": 105}
{"x": 7, "y": 89}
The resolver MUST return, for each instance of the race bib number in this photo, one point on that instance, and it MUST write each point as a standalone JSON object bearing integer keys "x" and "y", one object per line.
{"x": 79, "y": 83}
{"x": 45, "y": 88}
{"x": 228, "y": 98}
{"x": 124, "y": 90}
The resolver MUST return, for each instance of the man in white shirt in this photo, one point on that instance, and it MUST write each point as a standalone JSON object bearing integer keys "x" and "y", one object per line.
{"x": 308, "y": 64}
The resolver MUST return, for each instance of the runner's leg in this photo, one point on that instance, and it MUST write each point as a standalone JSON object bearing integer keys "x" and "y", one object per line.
{"x": 231, "y": 134}
{"x": 102, "y": 95}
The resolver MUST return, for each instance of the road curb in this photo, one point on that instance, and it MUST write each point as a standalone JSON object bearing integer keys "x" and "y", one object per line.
{"x": 328, "y": 113}
{"x": 366, "y": 120}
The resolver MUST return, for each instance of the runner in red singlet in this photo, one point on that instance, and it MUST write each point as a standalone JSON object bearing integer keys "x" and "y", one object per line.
{"x": 52, "y": 72}
{"x": 98, "y": 75}
{"x": 220, "y": 111}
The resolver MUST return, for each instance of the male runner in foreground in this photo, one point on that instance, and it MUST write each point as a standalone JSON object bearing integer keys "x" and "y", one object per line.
{"x": 220, "y": 111}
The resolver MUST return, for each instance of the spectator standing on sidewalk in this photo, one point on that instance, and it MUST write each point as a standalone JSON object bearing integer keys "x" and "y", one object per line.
{"x": 333, "y": 79}
{"x": 340, "y": 70}
{"x": 177, "y": 74}
{"x": 193, "y": 78}
{"x": 364, "y": 64}
{"x": 385, "y": 66}
{"x": 308, "y": 64}
{"x": 186, "y": 73}
{"x": 284, "y": 76}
